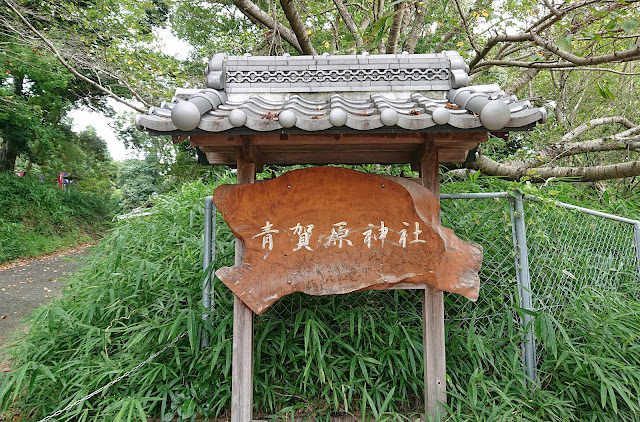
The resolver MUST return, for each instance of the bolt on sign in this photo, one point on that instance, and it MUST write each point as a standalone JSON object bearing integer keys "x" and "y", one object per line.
{"x": 328, "y": 230}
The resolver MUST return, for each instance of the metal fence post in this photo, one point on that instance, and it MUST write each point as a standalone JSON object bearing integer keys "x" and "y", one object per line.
{"x": 524, "y": 285}
{"x": 209, "y": 253}
{"x": 636, "y": 238}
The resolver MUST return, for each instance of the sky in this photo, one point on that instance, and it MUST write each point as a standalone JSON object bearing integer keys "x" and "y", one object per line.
{"x": 83, "y": 117}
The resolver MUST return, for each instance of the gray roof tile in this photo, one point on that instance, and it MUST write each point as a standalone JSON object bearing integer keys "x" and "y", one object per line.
{"x": 362, "y": 86}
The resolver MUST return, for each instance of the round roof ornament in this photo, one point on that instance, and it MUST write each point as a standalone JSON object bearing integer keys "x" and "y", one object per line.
{"x": 338, "y": 117}
{"x": 287, "y": 118}
{"x": 185, "y": 116}
{"x": 237, "y": 118}
{"x": 495, "y": 115}
{"x": 441, "y": 116}
{"x": 389, "y": 117}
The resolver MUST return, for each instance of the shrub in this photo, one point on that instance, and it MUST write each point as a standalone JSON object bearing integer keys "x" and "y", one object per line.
{"x": 36, "y": 218}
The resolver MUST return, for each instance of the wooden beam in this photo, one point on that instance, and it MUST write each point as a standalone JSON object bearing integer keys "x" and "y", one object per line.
{"x": 214, "y": 140}
{"x": 433, "y": 307}
{"x": 337, "y": 157}
{"x": 453, "y": 139}
{"x": 228, "y": 157}
{"x": 252, "y": 153}
{"x": 176, "y": 139}
{"x": 452, "y": 155}
{"x": 450, "y": 139}
{"x": 339, "y": 139}
{"x": 219, "y": 158}
{"x": 242, "y": 359}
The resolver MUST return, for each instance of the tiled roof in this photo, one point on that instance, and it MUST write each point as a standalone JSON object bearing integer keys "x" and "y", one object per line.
{"x": 415, "y": 92}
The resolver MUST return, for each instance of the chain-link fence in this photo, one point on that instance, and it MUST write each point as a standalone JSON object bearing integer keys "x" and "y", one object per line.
{"x": 572, "y": 248}
{"x": 536, "y": 255}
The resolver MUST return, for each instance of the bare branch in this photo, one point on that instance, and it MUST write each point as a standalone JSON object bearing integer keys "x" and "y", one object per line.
{"x": 592, "y": 124}
{"x": 291, "y": 12}
{"x": 555, "y": 152}
{"x": 626, "y": 140}
{"x": 555, "y": 65}
{"x": 445, "y": 38}
{"x": 465, "y": 24}
{"x": 614, "y": 143}
{"x": 492, "y": 42}
{"x": 68, "y": 66}
{"x": 552, "y": 8}
{"x": 522, "y": 81}
{"x": 255, "y": 14}
{"x": 416, "y": 28}
{"x": 351, "y": 26}
{"x": 618, "y": 56}
{"x": 582, "y": 174}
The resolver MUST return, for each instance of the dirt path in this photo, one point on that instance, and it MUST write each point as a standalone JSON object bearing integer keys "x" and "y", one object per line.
{"x": 26, "y": 284}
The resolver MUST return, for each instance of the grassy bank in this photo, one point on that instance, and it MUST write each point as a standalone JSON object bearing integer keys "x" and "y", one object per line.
{"x": 36, "y": 218}
{"x": 355, "y": 354}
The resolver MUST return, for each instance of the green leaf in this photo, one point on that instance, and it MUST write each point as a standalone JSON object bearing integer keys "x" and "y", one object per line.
{"x": 188, "y": 408}
{"x": 629, "y": 25}
{"x": 387, "y": 400}
{"x": 605, "y": 91}
{"x": 122, "y": 411}
{"x": 565, "y": 42}
{"x": 141, "y": 413}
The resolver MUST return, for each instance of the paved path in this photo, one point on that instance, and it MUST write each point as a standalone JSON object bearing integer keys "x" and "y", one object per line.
{"x": 26, "y": 285}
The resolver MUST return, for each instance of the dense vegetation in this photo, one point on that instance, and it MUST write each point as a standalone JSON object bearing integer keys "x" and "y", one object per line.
{"x": 37, "y": 218}
{"x": 358, "y": 354}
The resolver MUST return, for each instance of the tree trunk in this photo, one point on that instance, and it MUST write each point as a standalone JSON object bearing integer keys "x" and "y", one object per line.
{"x": 8, "y": 156}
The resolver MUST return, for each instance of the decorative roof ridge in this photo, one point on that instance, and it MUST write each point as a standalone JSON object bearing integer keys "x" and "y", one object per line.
{"x": 329, "y": 73}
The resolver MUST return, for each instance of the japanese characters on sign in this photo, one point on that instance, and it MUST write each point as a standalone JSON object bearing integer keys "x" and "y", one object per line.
{"x": 342, "y": 236}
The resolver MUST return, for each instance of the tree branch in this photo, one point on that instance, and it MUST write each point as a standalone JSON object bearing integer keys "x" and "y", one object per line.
{"x": 592, "y": 124}
{"x": 445, "y": 39}
{"x": 68, "y": 66}
{"x": 556, "y": 65}
{"x": 582, "y": 174}
{"x": 350, "y": 24}
{"x": 522, "y": 81}
{"x": 394, "y": 31}
{"x": 532, "y": 34}
{"x": 416, "y": 28}
{"x": 552, "y": 8}
{"x": 465, "y": 24}
{"x": 492, "y": 42}
{"x": 255, "y": 14}
{"x": 291, "y": 12}
{"x": 626, "y": 140}
{"x": 618, "y": 56}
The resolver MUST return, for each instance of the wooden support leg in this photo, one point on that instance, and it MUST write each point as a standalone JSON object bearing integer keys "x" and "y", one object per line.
{"x": 433, "y": 309}
{"x": 242, "y": 365}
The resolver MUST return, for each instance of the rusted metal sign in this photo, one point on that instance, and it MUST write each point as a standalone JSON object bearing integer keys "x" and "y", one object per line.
{"x": 328, "y": 230}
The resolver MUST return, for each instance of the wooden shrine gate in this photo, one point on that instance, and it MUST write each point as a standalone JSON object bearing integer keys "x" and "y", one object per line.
{"x": 362, "y": 109}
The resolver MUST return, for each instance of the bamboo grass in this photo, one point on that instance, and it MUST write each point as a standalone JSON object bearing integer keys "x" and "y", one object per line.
{"x": 315, "y": 358}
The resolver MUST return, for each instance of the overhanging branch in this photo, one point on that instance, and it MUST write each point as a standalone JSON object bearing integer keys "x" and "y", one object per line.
{"x": 582, "y": 174}
{"x": 291, "y": 12}
{"x": 255, "y": 14}
{"x": 67, "y": 65}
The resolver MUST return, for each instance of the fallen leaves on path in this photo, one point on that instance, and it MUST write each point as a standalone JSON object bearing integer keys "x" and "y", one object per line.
{"x": 24, "y": 261}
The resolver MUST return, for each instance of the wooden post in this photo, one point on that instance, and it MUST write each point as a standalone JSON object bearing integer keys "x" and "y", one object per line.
{"x": 433, "y": 307}
{"x": 242, "y": 364}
